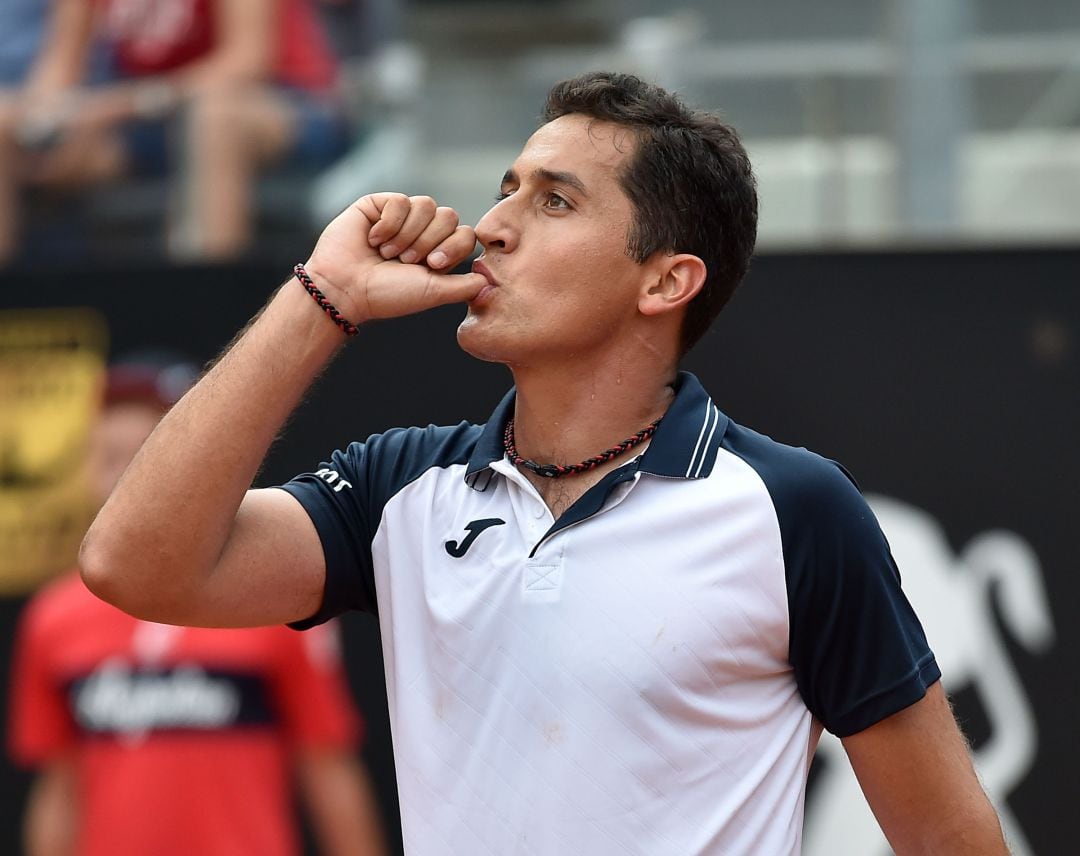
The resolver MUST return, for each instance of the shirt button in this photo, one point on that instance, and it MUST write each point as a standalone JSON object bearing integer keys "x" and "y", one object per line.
{"x": 540, "y": 511}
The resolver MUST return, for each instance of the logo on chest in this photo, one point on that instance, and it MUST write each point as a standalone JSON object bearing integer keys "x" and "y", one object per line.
{"x": 474, "y": 528}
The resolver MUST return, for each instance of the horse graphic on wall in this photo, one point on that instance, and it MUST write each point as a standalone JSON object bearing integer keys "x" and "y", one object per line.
{"x": 955, "y": 597}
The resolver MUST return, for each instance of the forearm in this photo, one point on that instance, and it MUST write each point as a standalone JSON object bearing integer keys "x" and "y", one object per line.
{"x": 62, "y": 60}
{"x": 162, "y": 530}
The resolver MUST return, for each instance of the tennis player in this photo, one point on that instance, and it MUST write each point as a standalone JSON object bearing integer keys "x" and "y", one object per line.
{"x": 614, "y": 620}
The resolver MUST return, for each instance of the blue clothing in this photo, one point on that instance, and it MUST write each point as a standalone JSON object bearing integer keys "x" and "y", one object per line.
{"x": 22, "y": 26}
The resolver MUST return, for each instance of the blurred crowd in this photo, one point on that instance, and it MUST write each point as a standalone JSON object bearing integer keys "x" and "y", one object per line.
{"x": 197, "y": 98}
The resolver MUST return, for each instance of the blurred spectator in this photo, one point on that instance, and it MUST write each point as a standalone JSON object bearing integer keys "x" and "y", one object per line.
{"x": 22, "y": 23}
{"x": 213, "y": 90}
{"x": 154, "y": 739}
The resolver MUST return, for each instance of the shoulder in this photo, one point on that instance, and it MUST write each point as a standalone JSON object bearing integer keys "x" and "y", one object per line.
{"x": 357, "y": 481}
{"x": 399, "y": 456}
{"x": 804, "y": 486}
{"x": 857, "y": 648}
{"x": 433, "y": 446}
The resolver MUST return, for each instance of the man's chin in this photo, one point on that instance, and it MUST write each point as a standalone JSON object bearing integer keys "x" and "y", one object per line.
{"x": 481, "y": 343}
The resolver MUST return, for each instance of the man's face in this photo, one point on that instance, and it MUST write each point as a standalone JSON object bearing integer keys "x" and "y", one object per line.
{"x": 555, "y": 247}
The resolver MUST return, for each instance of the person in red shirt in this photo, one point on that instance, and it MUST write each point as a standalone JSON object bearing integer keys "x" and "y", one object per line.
{"x": 157, "y": 739}
{"x": 253, "y": 81}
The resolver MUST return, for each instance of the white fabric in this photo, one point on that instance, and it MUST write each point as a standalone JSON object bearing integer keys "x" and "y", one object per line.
{"x": 624, "y": 690}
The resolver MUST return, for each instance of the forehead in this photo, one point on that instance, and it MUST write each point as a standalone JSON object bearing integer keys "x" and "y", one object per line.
{"x": 590, "y": 148}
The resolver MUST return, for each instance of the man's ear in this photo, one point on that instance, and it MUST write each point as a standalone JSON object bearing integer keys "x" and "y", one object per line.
{"x": 678, "y": 280}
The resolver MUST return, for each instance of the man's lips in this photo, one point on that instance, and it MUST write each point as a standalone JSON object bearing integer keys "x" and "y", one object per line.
{"x": 482, "y": 269}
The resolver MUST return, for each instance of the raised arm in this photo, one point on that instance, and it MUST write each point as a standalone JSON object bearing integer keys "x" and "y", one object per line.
{"x": 915, "y": 770}
{"x": 182, "y": 539}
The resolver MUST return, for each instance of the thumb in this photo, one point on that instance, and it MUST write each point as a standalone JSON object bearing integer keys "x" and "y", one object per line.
{"x": 456, "y": 287}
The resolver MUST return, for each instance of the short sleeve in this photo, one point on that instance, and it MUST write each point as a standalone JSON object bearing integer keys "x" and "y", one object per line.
{"x": 336, "y": 498}
{"x": 40, "y": 726}
{"x": 858, "y": 651}
{"x": 312, "y": 693}
{"x": 345, "y": 498}
{"x": 857, "y": 647}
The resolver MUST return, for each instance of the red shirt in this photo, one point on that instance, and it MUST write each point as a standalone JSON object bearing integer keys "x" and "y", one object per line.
{"x": 182, "y": 737}
{"x": 157, "y": 36}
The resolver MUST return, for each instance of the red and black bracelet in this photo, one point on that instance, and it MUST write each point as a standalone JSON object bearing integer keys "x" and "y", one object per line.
{"x": 320, "y": 298}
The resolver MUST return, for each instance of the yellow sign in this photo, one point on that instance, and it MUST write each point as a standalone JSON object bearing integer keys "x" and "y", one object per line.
{"x": 52, "y": 368}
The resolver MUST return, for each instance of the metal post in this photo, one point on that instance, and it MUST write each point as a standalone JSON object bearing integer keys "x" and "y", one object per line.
{"x": 932, "y": 112}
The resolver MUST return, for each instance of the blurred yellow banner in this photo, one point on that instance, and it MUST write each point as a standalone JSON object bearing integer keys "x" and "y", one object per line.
{"x": 52, "y": 368}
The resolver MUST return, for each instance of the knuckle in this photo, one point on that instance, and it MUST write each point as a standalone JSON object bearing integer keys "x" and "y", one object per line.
{"x": 396, "y": 206}
{"x": 388, "y": 201}
{"x": 465, "y": 235}
{"x": 447, "y": 215}
{"x": 431, "y": 287}
{"x": 423, "y": 203}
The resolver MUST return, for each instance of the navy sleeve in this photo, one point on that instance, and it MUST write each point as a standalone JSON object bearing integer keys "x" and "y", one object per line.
{"x": 345, "y": 498}
{"x": 856, "y": 646}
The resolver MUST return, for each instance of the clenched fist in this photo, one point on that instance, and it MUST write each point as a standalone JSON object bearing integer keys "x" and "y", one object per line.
{"x": 388, "y": 254}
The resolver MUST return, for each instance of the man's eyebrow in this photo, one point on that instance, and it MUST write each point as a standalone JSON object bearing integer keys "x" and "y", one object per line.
{"x": 550, "y": 176}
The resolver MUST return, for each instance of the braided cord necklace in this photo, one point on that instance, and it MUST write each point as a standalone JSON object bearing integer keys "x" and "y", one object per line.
{"x": 553, "y": 471}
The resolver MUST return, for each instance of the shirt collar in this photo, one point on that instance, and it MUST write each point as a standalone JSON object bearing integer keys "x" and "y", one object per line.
{"x": 684, "y": 445}
{"x": 489, "y": 447}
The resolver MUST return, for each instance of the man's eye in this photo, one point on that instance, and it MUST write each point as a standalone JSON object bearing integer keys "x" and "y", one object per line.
{"x": 557, "y": 202}
{"x": 501, "y": 195}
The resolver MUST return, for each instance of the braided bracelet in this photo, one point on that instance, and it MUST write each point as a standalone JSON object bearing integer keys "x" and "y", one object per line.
{"x": 320, "y": 298}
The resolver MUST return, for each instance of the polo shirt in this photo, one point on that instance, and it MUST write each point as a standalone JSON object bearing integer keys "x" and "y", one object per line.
{"x": 649, "y": 673}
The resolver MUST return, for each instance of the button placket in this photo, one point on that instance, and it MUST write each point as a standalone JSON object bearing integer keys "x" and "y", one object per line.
{"x": 542, "y": 578}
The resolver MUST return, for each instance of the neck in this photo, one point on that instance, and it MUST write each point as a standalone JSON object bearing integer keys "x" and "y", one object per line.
{"x": 571, "y": 416}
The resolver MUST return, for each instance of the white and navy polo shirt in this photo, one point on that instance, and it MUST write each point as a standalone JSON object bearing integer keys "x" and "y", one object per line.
{"x": 645, "y": 675}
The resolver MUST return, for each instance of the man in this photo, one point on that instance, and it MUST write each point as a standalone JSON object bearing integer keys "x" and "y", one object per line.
{"x": 630, "y": 646}
{"x": 149, "y": 738}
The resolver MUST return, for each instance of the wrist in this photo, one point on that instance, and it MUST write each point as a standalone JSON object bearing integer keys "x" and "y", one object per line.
{"x": 295, "y": 318}
{"x": 319, "y": 297}
{"x": 337, "y": 292}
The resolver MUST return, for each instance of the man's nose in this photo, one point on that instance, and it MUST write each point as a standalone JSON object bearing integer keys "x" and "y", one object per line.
{"x": 495, "y": 231}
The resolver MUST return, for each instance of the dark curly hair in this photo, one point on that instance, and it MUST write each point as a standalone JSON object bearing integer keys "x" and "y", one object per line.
{"x": 689, "y": 181}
